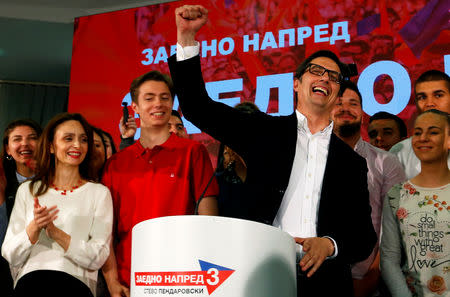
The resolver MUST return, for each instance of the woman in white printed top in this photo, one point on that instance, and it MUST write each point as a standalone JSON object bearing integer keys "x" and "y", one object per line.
{"x": 415, "y": 241}
{"x": 60, "y": 227}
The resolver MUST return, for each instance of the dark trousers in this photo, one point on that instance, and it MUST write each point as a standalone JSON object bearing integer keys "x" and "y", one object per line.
{"x": 6, "y": 287}
{"x": 50, "y": 283}
{"x": 328, "y": 280}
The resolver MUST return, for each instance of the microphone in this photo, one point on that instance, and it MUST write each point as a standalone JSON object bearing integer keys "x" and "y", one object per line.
{"x": 125, "y": 113}
{"x": 215, "y": 173}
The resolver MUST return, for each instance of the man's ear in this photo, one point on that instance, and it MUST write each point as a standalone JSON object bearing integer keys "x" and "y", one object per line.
{"x": 296, "y": 84}
{"x": 134, "y": 106}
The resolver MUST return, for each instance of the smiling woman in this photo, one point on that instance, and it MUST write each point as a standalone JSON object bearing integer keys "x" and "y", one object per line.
{"x": 61, "y": 222}
{"x": 19, "y": 144}
{"x": 415, "y": 241}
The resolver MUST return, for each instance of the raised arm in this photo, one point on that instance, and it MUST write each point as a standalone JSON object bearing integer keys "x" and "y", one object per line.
{"x": 189, "y": 19}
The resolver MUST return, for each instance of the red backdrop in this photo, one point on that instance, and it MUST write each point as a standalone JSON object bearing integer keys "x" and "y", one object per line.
{"x": 111, "y": 49}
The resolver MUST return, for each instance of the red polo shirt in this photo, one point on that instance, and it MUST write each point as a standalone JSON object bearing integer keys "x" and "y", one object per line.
{"x": 146, "y": 184}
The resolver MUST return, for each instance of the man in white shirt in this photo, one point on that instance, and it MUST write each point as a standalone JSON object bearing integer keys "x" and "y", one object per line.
{"x": 432, "y": 91}
{"x": 384, "y": 172}
{"x": 297, "y": 168}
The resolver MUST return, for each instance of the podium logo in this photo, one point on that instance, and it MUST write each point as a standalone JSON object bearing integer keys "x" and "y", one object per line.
{"x": 210, "y": 275}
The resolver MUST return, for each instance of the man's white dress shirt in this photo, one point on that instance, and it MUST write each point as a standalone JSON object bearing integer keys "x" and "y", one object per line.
{"x": 298, "y": 211}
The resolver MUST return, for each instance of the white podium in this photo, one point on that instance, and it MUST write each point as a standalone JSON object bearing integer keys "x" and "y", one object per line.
{"x": 211, "y": 256}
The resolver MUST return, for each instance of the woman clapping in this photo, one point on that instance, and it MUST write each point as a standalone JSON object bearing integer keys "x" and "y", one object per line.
{"x": 60, "y": 226}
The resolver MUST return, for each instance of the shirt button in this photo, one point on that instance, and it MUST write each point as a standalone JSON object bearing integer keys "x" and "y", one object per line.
{"x": 307, "y": 196}
{"x": 150, "y": 161}
{"x": 172, "y": 175}
{"x": 309, "y": 174}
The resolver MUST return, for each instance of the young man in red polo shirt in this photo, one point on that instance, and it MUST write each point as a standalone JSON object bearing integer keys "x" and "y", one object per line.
{"x": 159, "y": 175}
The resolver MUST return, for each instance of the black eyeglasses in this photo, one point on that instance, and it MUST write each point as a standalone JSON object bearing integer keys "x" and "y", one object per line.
{"x": 318, "y": 70}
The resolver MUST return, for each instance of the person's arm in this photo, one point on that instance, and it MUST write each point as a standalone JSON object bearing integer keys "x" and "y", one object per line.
{"x": 3, "y": 221}
{"x": 2, "y": 186}
{"x": 3, "y": 211}
{"x": 357, "y": 245}
{"x": 189, "y": 19}
{"x": 368, "y": 284}
{"x": 125, "y": 142}
{"x": 92, "y": 253}
{"x": 58, "y": 235}
{"x": 203, "y": 181}
{"x": 391, "y": 253}
{"x": 43, "y": 217}
{"x": 208, "y": 207}
{"x": 226, "y": 124}
{"x": 109, "y": 269}
{"x": 316, "y": 249}
{"x": 127, "y": 132}
{"x": 392, "y": 174}
{"x": 17, "y": 246}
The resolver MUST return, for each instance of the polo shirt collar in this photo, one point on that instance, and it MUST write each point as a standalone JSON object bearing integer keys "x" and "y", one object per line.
{"x": 168, "y": 144}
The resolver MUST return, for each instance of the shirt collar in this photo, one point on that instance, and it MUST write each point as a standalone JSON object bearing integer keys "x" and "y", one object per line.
{"x": 359, "y": 146}
{"x": 359, "y": 143}
{"x": 302, "y": 125}
{"x": 168, "y": 144}
{"x": 21, "y": 178}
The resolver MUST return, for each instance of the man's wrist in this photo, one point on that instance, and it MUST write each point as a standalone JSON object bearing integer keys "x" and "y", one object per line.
{"x": 187, "y": 52}
{"x": 186, "y": 39}
{"x": 333, "y": 247}
{"x": 126, "y": 136}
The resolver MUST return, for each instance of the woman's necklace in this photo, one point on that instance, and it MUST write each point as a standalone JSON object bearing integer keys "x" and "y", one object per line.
{"x": 64, "y": 191}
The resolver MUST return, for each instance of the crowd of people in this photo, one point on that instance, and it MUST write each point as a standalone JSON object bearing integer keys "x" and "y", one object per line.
{"x": 369, "y": 219}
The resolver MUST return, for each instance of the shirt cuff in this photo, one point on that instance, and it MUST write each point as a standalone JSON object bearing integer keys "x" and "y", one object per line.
{"x": 335, "y": 248}
{"x": 184, "y": 53}
{"x": 73, "y": 249}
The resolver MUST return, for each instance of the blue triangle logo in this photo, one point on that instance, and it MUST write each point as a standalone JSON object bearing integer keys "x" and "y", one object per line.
{"x": 205, "y": 266}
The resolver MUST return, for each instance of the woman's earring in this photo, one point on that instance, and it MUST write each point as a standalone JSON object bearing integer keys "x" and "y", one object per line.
{"x": 9, "y": 157}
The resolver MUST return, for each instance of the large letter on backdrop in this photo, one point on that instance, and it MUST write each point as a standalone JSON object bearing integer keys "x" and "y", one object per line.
{"x": 251, "y": 48}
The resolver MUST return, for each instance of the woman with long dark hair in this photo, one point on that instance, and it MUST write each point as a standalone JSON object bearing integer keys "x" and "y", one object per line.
{"x": 19, "y": 144}
{"x": 60, "y": 226}
{"x": 99, "y": 152}
{"x": 110, "y": 145}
